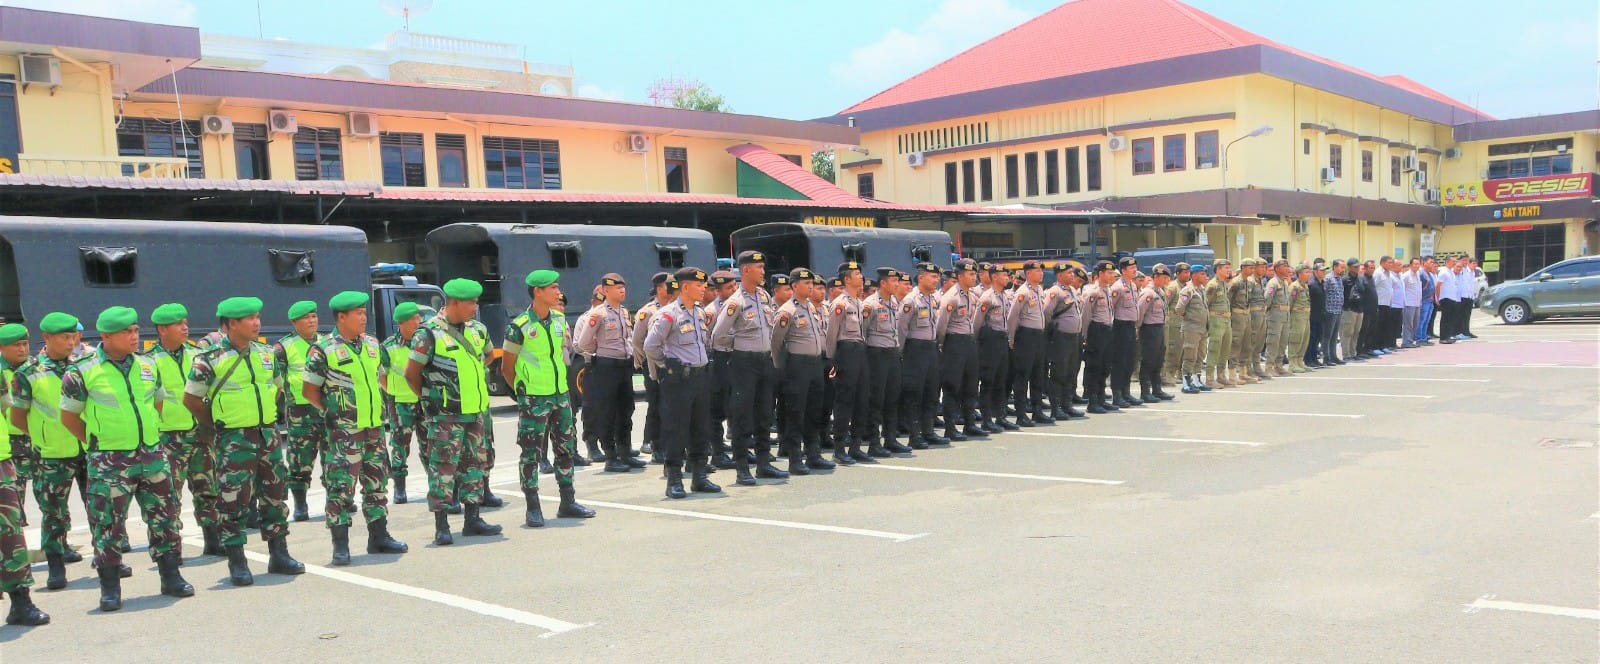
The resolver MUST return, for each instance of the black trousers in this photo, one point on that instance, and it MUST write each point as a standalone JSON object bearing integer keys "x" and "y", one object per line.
{"x": 919, "y": 385}
{"x": 801, "y": 385}
{"x": 1369, "y": 321}
{"x": 1123, "y": 342}
{"x": 1314, "y": 342}
{"x": 1429, "y": 326}
{"x": 652, "y": 412}
{"x": 1066, "y": 357}
{"x": 1096, "y": 360}
{"x": 750, "y": 401}
{"x": 1464, "y": 318}
{"x": 577, "y": 385}
{"x": 608, "y": 404}
{"x": 849, "y": 394}
{"x": 1028, "y": 371}
{"x": 719, "y": 398}
{"x": 993, "y": 370}
{"x": 686, "y": 394}
{"x": 959, "y": 365}
{"x": 883, "y": 393}
{"x": 1392, "y": 326}
{"x": 1152, "y": 353}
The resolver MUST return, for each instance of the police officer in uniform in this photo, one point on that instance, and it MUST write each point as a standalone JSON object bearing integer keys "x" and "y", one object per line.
{"x": 880, "y": 322}
{"x": 1219, "y": 333}
{"x": 1064, "y": 347}
{"x": 665, "y": 290}
{"x": 847, "y": 346}
{"x": 1125, "y": 312}
{"x": 1152, "y": 334}
{"x": 723, "y": 284}
{"x": 958, "y": 345}
{"x": 1174, "y": 345}
{"x": 677, "y": 341}
{"x": 1238, "y": 294}
{"x": 744, "y": 327}
{"x": 994, "y": 351}
{"x": 604, "y": 339}
{"x": 1194, "y": 316}
{"x": 920, "y": 370}
{"x": 1258, "y": 318}
{"x": 1026, "y": 337}
{"x": 1097, "y": 344}
{"x": 1277, "y": 296}
{"x": 797, "y": 345}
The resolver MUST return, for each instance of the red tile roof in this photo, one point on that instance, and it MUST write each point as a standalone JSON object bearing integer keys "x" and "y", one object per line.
{"x": 1093, "y": 35}
{"x": 329, "y": 187}
{"x": 795, "y": 177}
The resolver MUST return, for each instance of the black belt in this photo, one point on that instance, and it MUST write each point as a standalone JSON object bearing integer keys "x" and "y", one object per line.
{"x": 850, "y": 342}
{"x": 758, "y": 353}
{"x": 687, "y": 371}
{"x": 611, "y": 362}
{"x": 793, "y": 357}
{"x": 958, "y": 336}
{"x": 929, "y": 342}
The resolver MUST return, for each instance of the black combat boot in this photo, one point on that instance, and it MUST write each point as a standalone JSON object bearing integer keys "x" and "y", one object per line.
{"x": 110, "y": 589}
{"x": 814, "y": 459}
{"x": 341, "y": 545}
{"x": 1023, "y": 421}
{"x": 441, "y": 529}
{"x": 23, "y": 612}
{"x": 701, "y": 482}
{"x": 1041, "y": 417}
{"x": 71, "y": 557}
{"x": 239, "y": 568}
{"x": 894, "y": 446}
{"x": 973, "y": 431}
{"x": 213, "y": 542}
{"x": 841, "y": 453}
{"x": 797, "y": 464}
{"x": 57, "y": 578}
{"x": 741, "y": 468}
{"x": 675, "y": 482}
{"x": 618, "y": 460}
{"x": 489, "y": 499}
{"x": 856, "y": 453}
{"x": 278, "y": 559}
{"x": 764, "y": 467}
{"x": 597, "y": 452}
{"x": 953, "y": 436}
{"x": 300, "y": 510}
{"x": 533, "y": 515}
{"x": 380, "y": 541}
{"x": 570, "y": 508}
{"x": 544, "y": 465}
{"x": 474, "y": 525}
{"x": 400, "y": 497}
{"x": 1127, "y": 395}
{"x": 172, "y": 583}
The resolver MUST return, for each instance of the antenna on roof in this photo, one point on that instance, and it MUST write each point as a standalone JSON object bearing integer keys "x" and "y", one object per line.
{"x": 406, "y": 9}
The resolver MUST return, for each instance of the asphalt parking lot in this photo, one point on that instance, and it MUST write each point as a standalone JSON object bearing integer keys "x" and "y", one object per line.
{"x": 1436, "y": 505}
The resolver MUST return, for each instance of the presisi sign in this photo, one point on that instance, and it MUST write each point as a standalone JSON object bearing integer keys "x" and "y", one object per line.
{"x": 1519, "y": 190}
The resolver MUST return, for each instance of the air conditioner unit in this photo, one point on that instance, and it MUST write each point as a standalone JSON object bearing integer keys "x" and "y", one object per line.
{"x": 916, "y": 159}
{"x": 1452, "y": 153}
{"x": 41, "y": 69}
{"x": 364, "y": 125}
{"x": 1419, "y": 180}
{"x": 1326, "y": 175}
{"x": 1431, "y": 197}
{"x": 282, "y": 122}
{"x": 638, "y": 143}
{"x": 1116, "y": 143}
{"x": 1299, "y": 227}
{"x": 1409, "y": 163}
{"x": 217, "y": 125}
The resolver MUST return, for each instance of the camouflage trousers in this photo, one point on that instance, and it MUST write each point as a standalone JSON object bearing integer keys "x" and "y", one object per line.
{"x": 486, "y": 447}
{"x": 115, "y": 477}
{"x": 15, "y": 573}
{"x": 455, "y": 463}
{"x": 541, "y": 421}
{"x": 401, "y": 427}
{"x": 23, "y": 462}
{"x": 305, "y": 432}
{"x": 355, "y": 455}
{"x": 52, "y": 487}
{"x": 192, "y": 464}
{"x": 248, "y": 461}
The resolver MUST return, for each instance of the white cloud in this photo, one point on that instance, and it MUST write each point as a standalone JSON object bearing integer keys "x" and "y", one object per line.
{"x": 955, "y": 26}
{"x": 594, "y": 91}
{"x": 170, "y": 12}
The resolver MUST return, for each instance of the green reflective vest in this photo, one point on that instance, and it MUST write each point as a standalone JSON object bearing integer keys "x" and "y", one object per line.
{"x": 294, "y": 350}
{"x": 120, "y": 413}
{"x": 50, "y": 437}
{"x": 174, "y": 370}
{"x": 471, "y": 376}
{"x": 541, "y": 367}
{"x": 395, "y": 385}
{"x": 248, "y": 398}
{"x": 355, "y": 371}
{"x": 6, "y": 374}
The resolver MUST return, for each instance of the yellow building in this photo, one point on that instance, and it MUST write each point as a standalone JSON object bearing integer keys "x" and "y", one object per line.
{"x": 1264, "y": 149}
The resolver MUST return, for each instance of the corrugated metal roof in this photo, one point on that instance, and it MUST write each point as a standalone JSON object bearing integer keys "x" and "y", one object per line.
{"x": 327, "y": 187}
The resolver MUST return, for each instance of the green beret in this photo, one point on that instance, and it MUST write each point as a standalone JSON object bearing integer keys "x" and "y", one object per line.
{"x": 405, "y": 311}
{"x": 347, "y": 300}
{"x": 301, "y": 309}
{"x": 10, "y": 334}
{"x": 168, "y": 314}
{"x": 542, "y": 278}
{"x": 463, "y": 289}
{"x": 56, "y": 322}
{"x": 116, "y": 319}
{"x": 235, "y": 308}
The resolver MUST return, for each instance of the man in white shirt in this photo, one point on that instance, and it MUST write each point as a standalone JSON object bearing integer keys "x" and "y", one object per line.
{"x": 1411, "y": 286}
{"x": 1449, "y": 301}
{"x": 1383, "y": 283}
{"x": 1397, "y": 303}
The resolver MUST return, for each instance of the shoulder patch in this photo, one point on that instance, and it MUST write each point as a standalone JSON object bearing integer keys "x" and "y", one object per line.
{"x": 594, "y": 321}
{"x": 838, "y": 309}
{"x": 733, "y": 308}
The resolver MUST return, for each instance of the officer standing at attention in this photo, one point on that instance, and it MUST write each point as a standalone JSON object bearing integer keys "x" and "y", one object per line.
{"x": 13, "y": 354}
{"x": 846, "y": 345}
{"x": 306, "y": 429}
{"x": 1125, "y": 311}
{"x": 190, "y": 457}
{"x": 1174, "y": 351}
{"x": 677, "y": 341}
{"x": 1219, "y": 332}
{"x": 111, "y": 402}
{"x": 400, "y": 402}
{"x": 1238, "y": 293}
{"x": 341, "y": 382}
{"x": 920, "y": 371}
{"x": 994, "y": 351}
{"x": 16, "y": 576}
{"x": 1025, "y": 336}
{"x": 797, "y": 353}
{"x": 1194, "y": 315}
{"x": 608, "y": 383}
{"x": 448, "y": 356}
{"x": 1096, "y": 300}
{"x": 744, "y": 327}
{"x": 1277, "y": 297}
{"x": 1258, "y": 317}
{"x": 1152, "y": 333}
{"x": 880, "y": 316}
{"x": 665, "y": 289}
{"x": 958, "y": 317}
{"x": 233, "y": 390}
{"x": 1299, "y": 319}
{"x": 723, "y": 286}
{"x": 57, "y": 456}
{"x": 1065, "y": 347}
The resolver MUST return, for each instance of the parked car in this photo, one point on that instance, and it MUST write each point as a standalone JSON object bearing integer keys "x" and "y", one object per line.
{"x": 1568, "y": 288}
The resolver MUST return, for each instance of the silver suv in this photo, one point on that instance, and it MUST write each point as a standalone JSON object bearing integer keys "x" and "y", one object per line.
{"x": 1568, "y": 288}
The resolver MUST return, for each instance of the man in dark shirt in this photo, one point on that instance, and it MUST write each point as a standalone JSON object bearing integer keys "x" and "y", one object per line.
{"x": 1369, "y": 312}
{"x": 1350, "y": 322}
{"x": 1319, "y": 303}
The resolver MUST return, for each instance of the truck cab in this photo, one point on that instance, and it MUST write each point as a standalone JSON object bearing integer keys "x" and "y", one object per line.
{"x": 393, "y": 284}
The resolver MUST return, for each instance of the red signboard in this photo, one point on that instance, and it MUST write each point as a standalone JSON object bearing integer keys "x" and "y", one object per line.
{"x": 1517, "y": 190}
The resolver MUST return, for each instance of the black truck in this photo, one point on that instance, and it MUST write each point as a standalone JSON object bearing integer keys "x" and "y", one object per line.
{"x": 822, "y": 248}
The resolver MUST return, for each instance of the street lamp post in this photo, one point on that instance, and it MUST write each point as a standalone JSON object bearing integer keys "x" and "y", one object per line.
{"x": 1227, "y": 206}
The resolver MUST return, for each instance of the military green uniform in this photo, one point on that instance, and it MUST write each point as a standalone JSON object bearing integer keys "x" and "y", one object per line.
{"x": 59, "y": 460}
{"x": 544, "y": 409}
{"x": 15, "y": 570}
{"x": 1173, "y": 359}
{"x": 1277, "y": 299}
{"x": 1220, "y": 331}
{"x": 305, "y": 430}
{"x": 403, "y": 417}
{"x": 1239, "y": 319}
{"x": 190, "y": 458}
{"x": 1193, "y": 315}
{"x": 1258, "y": 324}
{"x": 455, "y": 396}
{"x": 347, "y": 372}
{"x": 20, "y": 450}
{"x": 1299, "y": 325}
{"x": 243, "y": 386}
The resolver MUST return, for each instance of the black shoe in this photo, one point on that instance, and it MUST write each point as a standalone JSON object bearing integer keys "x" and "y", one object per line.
{"x": 300, "y": 510}
{"x": 816, "y": 462}
{"x": 797, "y": 467}
{"x": 1075, "y": 414}
{"x": 110, "y": 589}
{"x": 341, "y": 545}
{"x": 57, "y": 578}
{"x": 994, "y": 427}
{"x": 490, "y": 500}
{"x": 23, "y": 612}
{"x": 239, "y": 568}
{"x": 862, "y": 457}
{"x": 765, "y": 470}
{"x": 380, "y": 541}
{"x": 1079, "y": 401}
{"x": 1024, "y": 422}
{"x": 741, "y": 474}
{"x": 974, "y": 432}
{"x": 474, "y": 525}
{"x": 877, "y": 451}
{"x": 647, "y": 447}
{"x": 894, "y": 447}
{"x": 917, "y": 443}
{"x": 453, "y": 509}
{"x": 1040, "y": 418}
{"x": 1008, "y": 425}
{"x": 579, "y": 460}
{"x": 723, "y": 461}
{"x": 1132, "y": 400}
{"x": 545, "y": 468}
{"x": 570, "y": 508}
{"x": 656, "y": 458}
{"x": 701, "y": 482}
{"x": 841, "y": 457}
{"x": 71, "y": 557}
{"x": 278, "y": 559}
{"x": 635, "y": 462}
{"x": 441, "y": 529}
{"x": 124, "y": 571}
{"x": 953, "y": 436}
{"x": 400, "y": 497}
{"x": 933, "y": 439}
{"x": 1098, "y": 408}
{"x": 1161, "y": 394}
{"x": 675, "y": 483}
{"x": 595, "y": 455}
{"x": 532, "y": 514}
{"x": 617, "y": 466}
{"x": 172, "y": 583}
{"x": 1118, "y": 402}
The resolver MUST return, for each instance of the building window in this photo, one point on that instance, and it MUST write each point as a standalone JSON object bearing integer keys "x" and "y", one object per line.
{"x": 669, "y": 255}
{"x": 1422, "y": 167}
{"x": 522, "y": 163}
{"x": 108, "y": 266}
{"x": 1091, "y": 166}
{"x": 1336, "y": 160}
{"x": 969, "y": 181}
{"x": 1366, "y": 165}
{"x": 149, "y": 137}
{"x": 564, "y": 255}
{"x": 1173, "y": 157}
{"x": 951, "y": 185}
{"x": 250, "y": 151}
{"x": 864, "y": 186}
{"x": 1030, "y": 170}
{"x": 10, "y": 131}
{"x": 1264, "y": 250}
{"x": 1070, "y": 155}
{"x": 1523, "y": 166}
{"x": 1283, "y": 250}
{"x": 1525, "y": 148}
{"x": 318, "y": 154}
{"x": 452, "y": 149}
{"x": 1144, "y": 156}
{"x": 1305, "y": 145}
{"x": 985, "y": 179}
{"x": 1012, "y": 188}
{"x": 1052, "y": 172}
{"x": 1205, "y": 149}
{"x": 1394, "y": 171}
{"x": 401, "y": 154}
{"x": 793, "y": 159}
{"x": 677, "y": 163}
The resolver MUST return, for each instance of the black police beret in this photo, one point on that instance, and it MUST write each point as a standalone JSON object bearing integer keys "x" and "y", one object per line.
{"x": 1126, "y": 262}
{"x": 748, "y": 257}
{"x": 689, "y": 274}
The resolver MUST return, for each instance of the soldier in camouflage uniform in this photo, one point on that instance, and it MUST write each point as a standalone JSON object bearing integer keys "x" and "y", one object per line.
{"x": 190, "y": 457}
{"x": 111, "y": 401}
{"x": 304, "y": 427}
{"x": 399, "y": 402}
{"x": 342, "y": 382}
{"x": 233, "y": 390}
{"x": 13, "y": 354}
{"x": 15, "y": 573}
{"x": 448, "y": 356}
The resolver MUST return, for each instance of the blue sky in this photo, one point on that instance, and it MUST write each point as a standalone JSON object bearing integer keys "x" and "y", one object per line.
{"x": 809, "y": 58}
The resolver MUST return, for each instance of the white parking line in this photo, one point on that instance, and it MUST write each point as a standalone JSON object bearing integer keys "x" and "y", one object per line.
{"x": 1204, "y": 441}
{"x": 1487, "y": 602}
{"x": 1409, "y": 380}
{"x": 1330, "y": 394}
{"x": 1164, "y": 409}
{"x": 1588, "y": 367}
{"x": 978, "y": 473}
{"x": 796, "y": 525}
